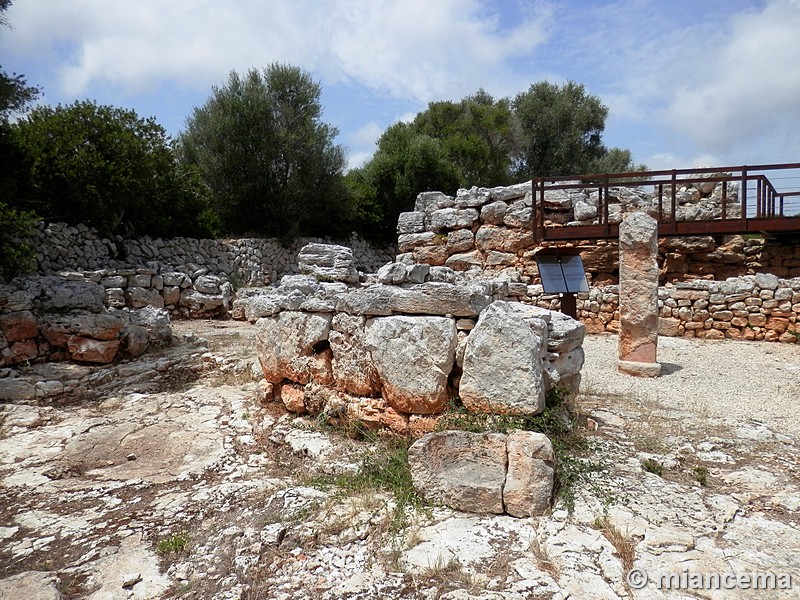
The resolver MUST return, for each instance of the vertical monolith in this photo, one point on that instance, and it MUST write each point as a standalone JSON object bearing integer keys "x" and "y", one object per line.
{"x": 638, "y": 295}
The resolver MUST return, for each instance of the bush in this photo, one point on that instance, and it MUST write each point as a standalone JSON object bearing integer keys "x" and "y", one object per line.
{"x": 16, "y": 255}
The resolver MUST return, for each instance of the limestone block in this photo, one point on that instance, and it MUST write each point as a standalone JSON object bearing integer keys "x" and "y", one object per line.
{"x": 417, "y": 273}
{"x": 428, "y": 202}
{"x": 460, "y": 240}
{"x": 584, "y": 211}
{"x": 393, "y": 273}
{"x": 19, "y": 325}
{"x": 472, "y": 198}
{"x": 494, "y": 212}
{"x": 16, "y": 390}
{"x": 511, "y": 192}
{"x": 22, "y": 351}
{"x": 531, "y": 467}
{"x": 207, "y": 284}
{"x": 431, "y": 255}
{"x": 411, "y": 222}
{"x": 371, "y": 301}
{"x": 413, "y": 357}
{"x": 503, "y": 369}
{"x": 452, "y": 218}
{"x": 462, "y": 262}
{"x": 138, "y": 297}
{"x": 437, "y": 298}
{"x": 291, "y": 346}
{"x": 500, "y": 259}
{"x": 83, "y": 349}
{"x": 328, "y": 262}
{"x": 353, "y": 370}
{"x": 293, "y": 398}
{"x": 463, "y": 470}
{"x": 490, "y": 237}
{"x": 518, "y": 215}
{"x": 406, "y": 242}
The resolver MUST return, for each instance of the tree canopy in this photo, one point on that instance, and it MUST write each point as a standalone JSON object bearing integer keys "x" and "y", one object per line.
{"x": 546, "y": 130}
{"x": 108, "y": 168}
{"x": 264, "y": 151}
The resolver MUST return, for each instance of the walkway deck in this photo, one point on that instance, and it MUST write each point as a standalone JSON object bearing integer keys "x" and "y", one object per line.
{"x": 747, "y": 202}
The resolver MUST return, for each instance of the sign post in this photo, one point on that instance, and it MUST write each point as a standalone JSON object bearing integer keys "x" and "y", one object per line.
{"x": 561, "y": 271}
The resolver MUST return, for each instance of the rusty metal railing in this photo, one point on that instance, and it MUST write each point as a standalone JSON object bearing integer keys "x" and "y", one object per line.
{"x": 759, "y": 206}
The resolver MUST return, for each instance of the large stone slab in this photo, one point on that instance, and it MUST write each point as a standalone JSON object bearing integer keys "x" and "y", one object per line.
{"x": 503, "y": 369}
{"x": 294, "y": 345}
{"x": 463, "y": 470}
{"x": 328, "y": 262}
{"x": 439, "y": 298}
{"x": 413, "y": 357}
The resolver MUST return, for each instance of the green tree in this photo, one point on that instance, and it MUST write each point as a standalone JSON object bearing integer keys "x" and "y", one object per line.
{"x": 107, "y": 168}
{"x": 405, "y": 164}
{"x": 558, "y": 130}
{"x": 16, "y": 255}
{"x": 271, "y": 162}
{"x": 476, "y": 135}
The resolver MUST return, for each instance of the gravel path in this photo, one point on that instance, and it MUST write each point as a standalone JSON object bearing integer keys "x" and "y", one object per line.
{"x": 729, "y": 380}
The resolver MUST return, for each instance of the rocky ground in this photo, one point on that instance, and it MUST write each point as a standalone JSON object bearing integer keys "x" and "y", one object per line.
{"x": 164, "y": 477}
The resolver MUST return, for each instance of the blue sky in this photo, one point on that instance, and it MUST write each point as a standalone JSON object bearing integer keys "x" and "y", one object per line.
{"x": 687, "y": 82}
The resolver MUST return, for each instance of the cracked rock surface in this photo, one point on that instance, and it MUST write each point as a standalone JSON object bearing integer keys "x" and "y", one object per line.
{"x": 132, "y": 484}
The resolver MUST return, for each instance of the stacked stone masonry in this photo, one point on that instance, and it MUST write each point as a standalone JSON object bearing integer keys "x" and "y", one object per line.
{"x": 490, "y": 230}
{"x": 249, "y": 261}
{"x": 395, "y": 354}
{"x": 753, "y": 307}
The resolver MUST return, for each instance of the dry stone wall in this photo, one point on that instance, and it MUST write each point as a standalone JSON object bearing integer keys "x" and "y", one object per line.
{"x": 484, "y": 229}
{"x": 394, "y": 354}
{"x": 248, "y": 261}
{"x": 753, "y": 307}
{"x": 50, "y": 318}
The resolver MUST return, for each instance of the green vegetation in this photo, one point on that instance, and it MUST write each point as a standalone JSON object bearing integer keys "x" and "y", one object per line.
{"x": 700, "y": 475}
{"x": 383, "y": 467}
{"x": 257, "y": 159}
{"x": 271, "y": 162}
{"x": 107, "y": 168}
{"x": 559, "y": 422}
{"x": 174, "y": 544}
{"x": 652, "y": 466}
{"x": 16, "y": 256}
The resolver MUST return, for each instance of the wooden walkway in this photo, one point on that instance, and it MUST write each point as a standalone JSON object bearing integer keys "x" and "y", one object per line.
{"x": 746, "y": 202}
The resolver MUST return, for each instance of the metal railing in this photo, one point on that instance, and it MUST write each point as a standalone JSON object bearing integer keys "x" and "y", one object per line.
{"x": 759, "y": 206}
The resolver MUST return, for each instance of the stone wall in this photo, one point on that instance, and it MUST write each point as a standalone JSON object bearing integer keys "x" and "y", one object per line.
{"x": 50, "y": 318}
{"x": 248, "y": 261}
{"x": 490, "y": 230}
{"x": 394, "y": 354}
{"x": 753, "y": 307}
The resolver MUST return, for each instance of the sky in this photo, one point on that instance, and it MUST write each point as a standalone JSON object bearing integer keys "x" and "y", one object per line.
{"x": 687, "y": 82}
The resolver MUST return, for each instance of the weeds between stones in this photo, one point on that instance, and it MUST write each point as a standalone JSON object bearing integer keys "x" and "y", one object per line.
{"x": 174, "y": 544}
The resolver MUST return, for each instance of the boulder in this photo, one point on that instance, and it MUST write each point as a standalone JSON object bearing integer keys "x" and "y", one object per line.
{"x": 294, "y": 346}
{"x": 413, "y": 357}
{"x": 393, "y": 273}
{"x": 411, "y": 222}
{"x": 427, "y": 202}
{"x": 494, "y": 212}
{"x": 503, "y": 368}
{"x": 353, "y": 370}
{"x": 465, "y": 471}
{"x": 490, "y": 237}
{"x": 328, "y": 262}
{"x": 531, "y": 467}
{"x": 452, "y": 218}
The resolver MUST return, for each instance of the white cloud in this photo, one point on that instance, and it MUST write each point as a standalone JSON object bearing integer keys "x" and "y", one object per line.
{"x": 409, "y": 49}
{"x": 743, "y": 93}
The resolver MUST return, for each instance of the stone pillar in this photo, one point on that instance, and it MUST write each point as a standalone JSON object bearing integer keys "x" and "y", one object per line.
{"x": 638, "y": 295}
